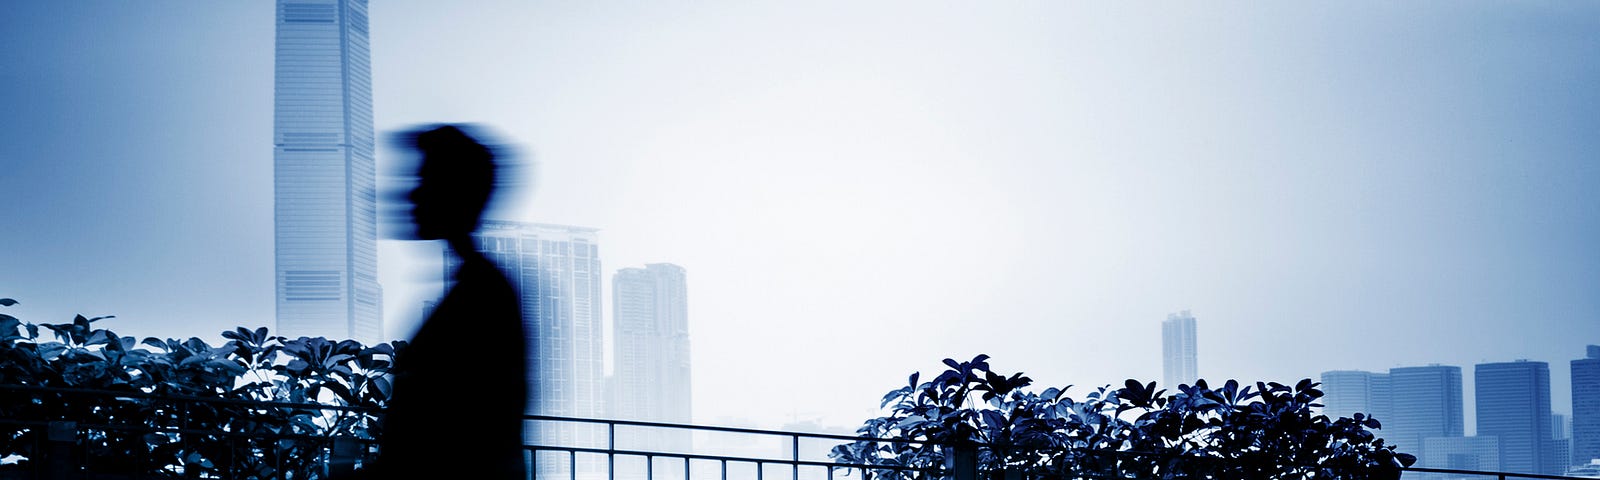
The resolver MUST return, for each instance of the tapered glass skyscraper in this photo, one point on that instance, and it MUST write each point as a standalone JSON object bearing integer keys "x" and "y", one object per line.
{"x": 325, "y": 219}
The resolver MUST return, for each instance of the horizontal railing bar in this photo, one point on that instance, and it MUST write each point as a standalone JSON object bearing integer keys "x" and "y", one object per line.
{"x": 190, "y": 398}
{"x": 711, "y": 428}
{"x": 185, "y": 431}
{"x": 1504, "y": 474}
{"x": 696, "y": 456}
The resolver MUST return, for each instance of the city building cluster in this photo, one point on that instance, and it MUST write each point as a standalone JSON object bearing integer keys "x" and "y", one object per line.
{"x": 1421, "y": 411}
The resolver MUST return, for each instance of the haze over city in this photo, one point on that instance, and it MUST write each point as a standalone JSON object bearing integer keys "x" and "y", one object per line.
{"x": 858, "y": 191}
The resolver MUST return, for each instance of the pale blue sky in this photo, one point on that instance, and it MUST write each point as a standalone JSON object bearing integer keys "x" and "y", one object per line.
{"x": 858, "y": 191}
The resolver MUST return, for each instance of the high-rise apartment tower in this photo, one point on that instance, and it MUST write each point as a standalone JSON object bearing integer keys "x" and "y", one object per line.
{"x": 1178, "y": 357}
{"x": 556, "y": 270}
{"x": 651, "y": 375}
{"x": 325, "y": 221}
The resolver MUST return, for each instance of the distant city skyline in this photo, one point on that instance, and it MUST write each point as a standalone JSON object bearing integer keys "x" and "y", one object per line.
{"x": 325, "y": 190}
{"x": 1520, "y": 433}
{"x": 1325, "y": 184}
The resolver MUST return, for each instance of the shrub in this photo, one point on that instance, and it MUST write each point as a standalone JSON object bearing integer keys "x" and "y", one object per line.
{"x": 258, "y": 406}
{"x": 1230, "y": 432}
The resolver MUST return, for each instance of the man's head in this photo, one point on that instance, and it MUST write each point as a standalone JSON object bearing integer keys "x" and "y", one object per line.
{"x": 453, "y": 185}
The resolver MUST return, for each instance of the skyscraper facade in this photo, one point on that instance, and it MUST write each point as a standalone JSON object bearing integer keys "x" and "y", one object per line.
{"x": 1459, "y": 453}
{"x": 1586, "y": 407}
{"x": 1425, "y": 403}
{"x": 325, "y": 219}
{"x": 1513, "y": 401}
{"x": 1178, "y": 355}
{"x": 556, "y": 270}
{"x": 1347, "y": 392}
{"x": 651, "y": 376}
{"x": 1561, "y": 429}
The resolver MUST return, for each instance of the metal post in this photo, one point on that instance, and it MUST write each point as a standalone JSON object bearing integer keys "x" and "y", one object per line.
{"x": 342, "y": 459}
{"x": 966, "y": 462}
{"x": 60, "y": 436}
{"x": 611, "y": 450}
{"x": 650, "y": 467}
{"x": 572, "y": 464}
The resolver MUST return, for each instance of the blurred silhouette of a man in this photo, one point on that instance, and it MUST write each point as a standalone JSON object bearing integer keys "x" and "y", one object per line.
{"x": 460, "y": 386}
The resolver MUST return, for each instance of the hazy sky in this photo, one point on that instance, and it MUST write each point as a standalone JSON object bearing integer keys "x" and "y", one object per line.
{"x": 860, "y": 189}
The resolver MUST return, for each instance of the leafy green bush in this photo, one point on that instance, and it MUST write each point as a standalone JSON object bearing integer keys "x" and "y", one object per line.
{"x": 258, "y": 406}
{"x": 1268, "y": 432}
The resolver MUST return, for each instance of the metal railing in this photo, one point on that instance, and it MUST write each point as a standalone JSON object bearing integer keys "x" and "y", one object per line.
{"x": 756, "y": 454}
{"x": 790, "y": 455}
{"x": 958, "y": 466}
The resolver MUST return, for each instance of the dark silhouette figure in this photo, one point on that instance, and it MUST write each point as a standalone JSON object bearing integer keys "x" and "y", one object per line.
{"x": 460, "y": 386}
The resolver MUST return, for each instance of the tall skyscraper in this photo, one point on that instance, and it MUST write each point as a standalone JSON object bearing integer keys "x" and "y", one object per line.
{"x": 651, "y": 378}
{"x": 1178, "y": 357}
{"x": 1513, "y": 401}
{"x": 1425, "y": 403}
{"x": 556, "y": 270}
{"x": 325, "y": 220}
{"x": 1586, "y": 407}
{"x": 1347, "y": 392}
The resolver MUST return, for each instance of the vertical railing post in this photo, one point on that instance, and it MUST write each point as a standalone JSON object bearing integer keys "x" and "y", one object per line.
{"x": 60, "y": 437}
{"x": 795, "y": 456}
{"x": 342, "y": 459}
{"x": 966, "y": 462}
{"x": 611, "y": 450}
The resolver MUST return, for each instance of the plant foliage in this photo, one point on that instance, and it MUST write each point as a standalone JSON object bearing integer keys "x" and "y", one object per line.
{"x": 1268, "y": 431}
{"x": 258, "y": 406}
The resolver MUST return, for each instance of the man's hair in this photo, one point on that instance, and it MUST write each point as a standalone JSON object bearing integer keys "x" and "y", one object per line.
{"x": 458, "y": 165}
